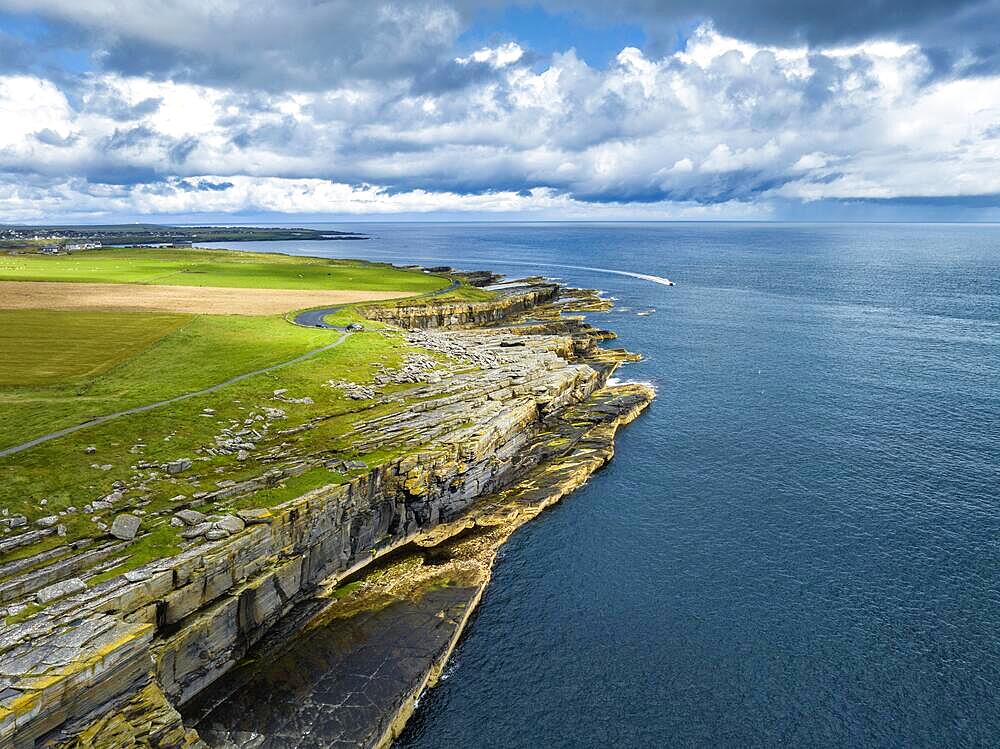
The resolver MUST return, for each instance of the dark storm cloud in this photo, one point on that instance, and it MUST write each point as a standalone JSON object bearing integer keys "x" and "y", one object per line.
{"x": 738, "y": 185}
{"x": 816, "y": 22}
{"x": 283, "y": 136}
{"x": 308, "y": 45}
{"x": 298, "y": 44}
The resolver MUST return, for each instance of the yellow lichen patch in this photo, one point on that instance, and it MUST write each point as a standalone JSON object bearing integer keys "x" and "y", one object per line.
{"x": 147, "y": 720}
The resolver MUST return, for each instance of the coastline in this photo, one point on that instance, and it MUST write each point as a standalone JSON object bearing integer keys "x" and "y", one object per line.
{"x": 495, "y": 445}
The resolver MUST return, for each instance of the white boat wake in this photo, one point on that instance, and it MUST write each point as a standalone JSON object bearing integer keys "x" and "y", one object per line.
{"x": 661, "y": 280}
{"x": 643, "y": 276}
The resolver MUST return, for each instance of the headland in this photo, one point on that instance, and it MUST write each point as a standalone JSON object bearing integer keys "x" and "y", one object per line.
{"x": 295, "y": 553}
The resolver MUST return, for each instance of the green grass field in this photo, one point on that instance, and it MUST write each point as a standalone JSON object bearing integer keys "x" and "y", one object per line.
{"x": 62, "y": 368}
{"x": 225, "y": 268}
{"x": 64, "y": 474}
{"x": 47, "y": 347}
{"x": 59, "y": 369}
{"x": 198, "y": 352}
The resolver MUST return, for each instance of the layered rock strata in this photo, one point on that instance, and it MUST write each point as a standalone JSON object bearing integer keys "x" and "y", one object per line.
{"x": 349, "y": 664}
{"x": 477, "y": 314}
{"x": 106, "y": 666}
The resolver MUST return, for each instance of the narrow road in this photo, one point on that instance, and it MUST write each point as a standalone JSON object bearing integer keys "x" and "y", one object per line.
{"x": 176, "y": 399}
{"x": 315, "y": 318}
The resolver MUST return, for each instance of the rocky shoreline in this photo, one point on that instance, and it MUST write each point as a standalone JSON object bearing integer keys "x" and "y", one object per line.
{"x": 516, "y": 414}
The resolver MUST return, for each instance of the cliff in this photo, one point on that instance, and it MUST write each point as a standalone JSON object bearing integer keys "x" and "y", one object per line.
{"x": 109, "y": 665}
{"x": 471, "y": 314}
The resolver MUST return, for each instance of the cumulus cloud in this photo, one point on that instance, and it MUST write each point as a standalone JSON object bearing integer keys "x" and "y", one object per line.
{"x": 958, "y": 34}
{"x": 35, "y": 200}
{"x": 344, "y": 124}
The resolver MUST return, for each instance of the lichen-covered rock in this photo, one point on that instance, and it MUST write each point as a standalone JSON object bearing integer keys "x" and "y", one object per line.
{"x": 125, "y": 526}
{"x": 196, "y": 530}
{"x": 177, "y": 466}
{"x": 230, "y": 523}
{"x": 190, "y": 517}
{"x": 60, "y": 589}
{"x": 255, "y": 516}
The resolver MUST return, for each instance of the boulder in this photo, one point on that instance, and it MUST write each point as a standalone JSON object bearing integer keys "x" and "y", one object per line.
{"x": 217, "y": 534}
{"x": 177, "y": 466}
{"x": 48, "y": 521}
{"x": 125, "y": 526}
{"x": 231, "y": 524}
{"x": 60, "y": 589}
{"x": 190, "y": 517}
{"x": 16, "y": 521}
{"x": 195, "y": 531}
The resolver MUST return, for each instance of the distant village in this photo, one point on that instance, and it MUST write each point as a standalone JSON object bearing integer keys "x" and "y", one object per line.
{"x": 56, "y": 242}
{"x": 61, "y": 240}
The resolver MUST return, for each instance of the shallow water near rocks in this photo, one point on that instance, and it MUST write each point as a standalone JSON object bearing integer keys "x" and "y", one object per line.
{"x": 798, "y": 543}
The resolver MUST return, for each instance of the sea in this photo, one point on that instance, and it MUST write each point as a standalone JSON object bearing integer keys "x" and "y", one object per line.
{"x": 798, "y": 544}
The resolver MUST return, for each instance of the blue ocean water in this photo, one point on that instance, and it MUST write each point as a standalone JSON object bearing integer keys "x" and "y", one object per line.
{"x": 799, "y": 543}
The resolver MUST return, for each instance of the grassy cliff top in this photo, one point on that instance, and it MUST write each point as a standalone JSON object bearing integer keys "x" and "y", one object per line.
{"x": 220, "y": 268}
{"x": 60, "y": 368}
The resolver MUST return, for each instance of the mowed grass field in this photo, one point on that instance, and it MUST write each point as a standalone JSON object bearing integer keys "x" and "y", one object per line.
{"x": 43, "y": 347}
{"x": 221, "y": 268}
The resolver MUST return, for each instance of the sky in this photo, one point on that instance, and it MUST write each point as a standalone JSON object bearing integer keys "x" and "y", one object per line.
{"x": 315, "y": 110}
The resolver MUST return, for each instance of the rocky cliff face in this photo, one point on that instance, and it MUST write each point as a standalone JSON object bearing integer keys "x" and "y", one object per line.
{"x": 108, "y": 665}
{"x": 348, "y": 666}
{"x": 472, "y": 314}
